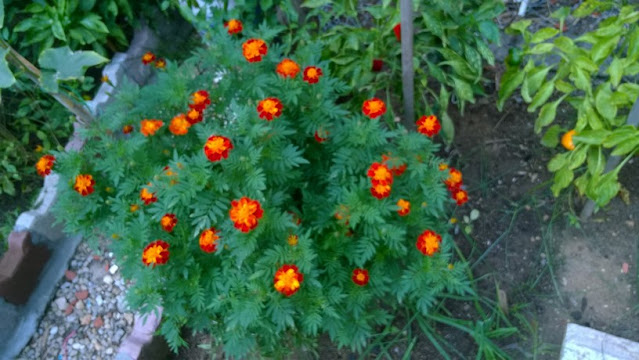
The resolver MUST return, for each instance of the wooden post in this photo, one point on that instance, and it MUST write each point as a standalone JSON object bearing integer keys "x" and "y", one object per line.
{"x": 613, "y": 161}
{"x": 408, "y": 72}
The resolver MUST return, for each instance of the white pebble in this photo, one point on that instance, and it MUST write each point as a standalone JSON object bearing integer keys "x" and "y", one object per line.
{"x": 113, "y": 269}
{"x": 109, "y": 351}
{"x": 53, "y": 330}
{"x": 77, "y": 346}
{"x": 107, "y": 279}
{"x": 99, "y": 300}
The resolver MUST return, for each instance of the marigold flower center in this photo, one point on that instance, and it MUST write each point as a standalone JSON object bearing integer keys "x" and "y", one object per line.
{"x": 252, "y": 48}
{"x": 166, "y": 221}
{"x": 209, "y": 238}
{"x": 269, "y": 106}
{"x": 193, "y": 114}
{"x": 360, "y": 277}
{"x": 216, "y": 145}
{"x": 430, "y": 242}
{"x": 244, "y": 212}
{"x": 382, "y": 174}
{"x": 375, "y": 106}
{"x": 429, "y": 123}
{"x": 198, "y": 98}
{"x": 152, "y": 254}
{"x": 382, "y": 189}
{"x": 311, "y": 73}
{"x": 234, "y": 25}
{"x": 287, "y": 280}
{"x": 82, "y": 183}
{"x": 455, "y": 177}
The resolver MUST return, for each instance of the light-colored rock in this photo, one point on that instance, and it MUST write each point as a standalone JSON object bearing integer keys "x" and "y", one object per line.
{"x": 113, "y": 269}
{"x": 61, "y": 303}
{"x": 53, "y": 331}
{"x": 107, "y": 279}
{"x": 582, "y": 343}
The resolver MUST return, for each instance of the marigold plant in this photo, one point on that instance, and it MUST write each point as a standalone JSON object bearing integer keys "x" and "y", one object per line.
{"x": 258, "y": 225}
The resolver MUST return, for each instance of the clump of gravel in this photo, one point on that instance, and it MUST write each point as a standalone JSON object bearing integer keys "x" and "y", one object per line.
{"x": 88, "y": 317}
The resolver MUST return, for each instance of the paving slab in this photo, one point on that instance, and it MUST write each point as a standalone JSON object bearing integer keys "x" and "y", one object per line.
{"x": 583, "y": 343}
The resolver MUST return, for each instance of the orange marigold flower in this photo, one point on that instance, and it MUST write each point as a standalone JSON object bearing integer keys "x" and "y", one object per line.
{"x": 217, "y": 148}
{"x": 428, "y": 125}
{"x": 566, "y": 140}
{"x": 397, "y": 29}
{"x": 148, "y": 58}
{"x": 168, "y": 222}
{"x": 454, "y": 180}
{"x": 288, "y": 279}
{"x": 156, "y": 253}
{"x": 150, "y": 127}
{"x": 269, "y": 108}
{"x": 245, "y": 213}
{"x": 377, "y": 65}
{"x": 360, "y": 276}
{"x": 312, "y": 74}
{"x": 233, "y": 26}
{"x": 254, "y": 49}
{"x": 397, "y": 170}
{"x": 160, "y": 63}
{"x": 147, "y": 196}
{"x": 134, "y": 207}
{"x": 127, "y": 129}
{"x": 460, "y": 196}
{"x": 208, "y": 240}
{"x": 292, "y": 239}
{"x": 443, "y": 167}
{"x": 373, "y": 108}
{"x": 193, "y": 116}
{"x": 321, "y": 135}
{"x": 428, "y": 242}
{"x": 380, "y": 191}
{"x": 44, "y": 165}
{"x": 380, "y": 174}
{"x": 84, "y": 184}
{"x": 179, "y": 125}
{"x": 404, "y": 207}
{"x": 287, "y": 68}
{"x": 200, "y": 100}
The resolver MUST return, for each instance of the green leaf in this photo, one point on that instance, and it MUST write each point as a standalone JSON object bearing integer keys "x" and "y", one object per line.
{"x": 48, "y": 81}
{"x": 581, "y": 183}
{"x": 490, "y": 31}
{"x": 585, "y": 63}
{"x": 547, "y": 114}
{"x": 603, "y": 49}
{"x": 519, "y": 26}
{"x": 619, "y": 135}
{"x": 577, "y": 157}
{"x": 561, "y": 13}
{"x": 626, "y": 146}
{"x": 463, "y": 90}
{"x": 6, "y": 76}
{"x": 604, "y": 104}
{"x": 1, "y": 14}
{"x": 630, "y": 89}
{"x": 542, "y": 96}
{"x": 596, "y": 160}
{"x": 615, "y": 70}
{"x": 67, "y": 64}
{"x": 315, "y": 3}
{"x": 536, "y": 77}
{"x": 510, "y": 81}
{"x": 563, "y": 178}
{"x": 605, "y": 189}
{"x": 57, "y": 30}
{"x": 543, "y": 34}
{"x": 485, "y": 51}
{"x": 473, "y": 58}
{"x": 433, "y": 23}
{"x": 564, "y": 87}
{"x": 542, "y": 48}
{"x": 591, "y": 137}
{"x": 581, "y": 79}
{"x": 448, "y": 128}
{"x": 551, "y": 137}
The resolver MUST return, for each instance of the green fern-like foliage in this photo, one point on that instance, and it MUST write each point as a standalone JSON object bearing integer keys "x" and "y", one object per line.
{"x": 279, "y": 163}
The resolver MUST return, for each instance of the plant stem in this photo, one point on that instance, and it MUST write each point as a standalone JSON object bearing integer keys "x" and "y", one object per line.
{"x": 33, "y": 73}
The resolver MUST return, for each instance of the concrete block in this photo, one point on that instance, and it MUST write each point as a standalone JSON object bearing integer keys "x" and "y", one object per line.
{"x": 583, "y": 343}
{"x": 141, "y": 336}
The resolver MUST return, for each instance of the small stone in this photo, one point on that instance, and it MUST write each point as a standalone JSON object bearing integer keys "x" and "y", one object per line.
{"x": 98, "y": 322}
{"x": 82, "y": 295}
{"x": 99, "y": 300}
{"x": 61, "y": 303}
{"x": 129, "y": 318}
{"x": 68, "y": 310}
{"x": 86, "y": 319}
{"x": 77, "y": 346}
{"x": 53, "y": 330}
{"x": 70, "y": 275}
{"x": 113, "y": 269}
{"x": 630, "y": 223}
{"x": 109, "y": 351}
{"x": 79, "y": 305}
{"x": 119, "y": 333}
{"x": 96, "y": 257}
{"x": 107, "y": 279}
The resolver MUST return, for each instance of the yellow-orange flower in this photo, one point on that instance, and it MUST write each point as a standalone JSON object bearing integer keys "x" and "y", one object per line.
{"x": 254, "y": 49}
{"x": 245, "y": 213}
{"x": 160, "y": 63}
{"x": 360, "y": 276}
{"x": 287, "y": 68}
{"x": 156, "y": 253}
{"x": 443, "y": 167}
{"x": 380, "y": 174}
{"x": 566, "y": 140}
{"x": 373, "y": 108}
{"x": 428, "y": 242}
{"x": 217, "y": 148}
{"x": 233, "y": 26}
{"x": 84, "y": 184}
{"x": 460, "y": 196}
{"x": 381, "y": 191}
{"x": 147, "y": 196}
{"x": 168, "y": 222}
{"x": 148, "y": 58}
{"x": 44, "y": 165}
{"x": 292, "y": 239}
{"x": 134, "y": 207}
{"x": 208, "y": 240}
{"x": 150, "y": 127}
{"x": 288, "y": 279}
{"x": 269, "y": 108}
{"x": 194, "y": 116}
{"x": 404, "y": 207}
{"x": 179, "y": 125}
{"x": 428, "y": 125}
{"x": 200, "y": 100}
{"x": 312, "y": 74}
{"x": 454, "y": 180}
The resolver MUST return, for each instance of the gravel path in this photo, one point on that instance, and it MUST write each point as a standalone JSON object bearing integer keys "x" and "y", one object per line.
{"x": 87, "y": 318}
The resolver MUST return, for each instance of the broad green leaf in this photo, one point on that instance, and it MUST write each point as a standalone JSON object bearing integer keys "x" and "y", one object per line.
{"x": 543, "y": 34}
{"x": 473, "y": 58}
{"x": 563, "y": 178}
{"x": 630, "y": 18}
{"x": 315, "y": 3}
{"x": 630, "y": 89}
{"x": 444, "y": 98}
{"x": 577, "y": 157}
{"x": 581, "y": 183}
{"x": 608, "y": 31}
{"x": 510, "y": 80}
{"x": 448, "y": 128}
{"x": 519, "y": 26}
{"x": 604, "y": 104}
{"x": 485, "y": 51}
{"x": 564, "y": 87}
{"x": 615, "y": 70}
{"x": 585, "y": 9}
{"x": 48, "y": 81}
{"x": 626, "y": 146}
{"x": 561, "y": 13}
{"x": 557, "y": 162}
{"x": 551, "y": 137}
{"x": 631, "y": 69}
{"x": 524, "y": 91}
{"x": 633, "y": 44}
{"x": 542, "y": 96}
{"x": 67, "y": 64}
{"x": 6, "y": 76}
{"x": 542, "y": 48}
{"x": 585, "y": 63}
{"x": 605, "y": 189}
{"x": 490, "y": 31}
{"x": 581, "y": 79}
{"x": 57, "y": 30}
{"x": 536, "y": 77}
{"x": 432, "y": 23}
{"x": 591, "y": 137}
{"x": 547, "y": 114}
{"x": 596, "y": 160}
{"x": 463, "y": 90}
{"x": 603, "y": 49}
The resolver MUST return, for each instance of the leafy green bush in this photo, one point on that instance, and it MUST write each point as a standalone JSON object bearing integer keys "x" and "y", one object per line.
{"x": 264, "y": 220}
{"x": 596, "y": 75}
